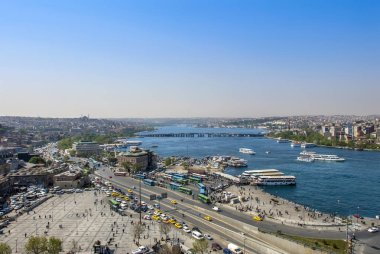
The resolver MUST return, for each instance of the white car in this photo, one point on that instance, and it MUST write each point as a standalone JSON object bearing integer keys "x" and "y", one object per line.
{"x": 215, "y": 208}
{"x": 207, "y": 236}
{"x": 141, "y": 250}
{"x": 147, "y": 217}
{"x": 150, "y": 207}
{"x": 373, "y": 230}
{"x": 186, "y": 229}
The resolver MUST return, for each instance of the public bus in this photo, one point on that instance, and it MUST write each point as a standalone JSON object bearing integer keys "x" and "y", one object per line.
{"x": 179, "y": 180}
{"x": 175, "y": 186}
{"x": 185, "y": 190}
{"x": 182, "y": 176}
{"x": 140, "y": 176}
{"x": 203, "y": 177}
{"x": 204, "y": 199}
{"x": 195, "y": 179}
{"x": 114, "y": 203}
{"x": 149, "y": 182}
{"x": 202, "y": 188}
{"x": 120, "y": 173}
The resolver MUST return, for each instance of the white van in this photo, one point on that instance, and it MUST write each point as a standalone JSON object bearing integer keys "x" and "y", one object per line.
{"x": 234, "y": 248}
{"x": 197, "y": 235}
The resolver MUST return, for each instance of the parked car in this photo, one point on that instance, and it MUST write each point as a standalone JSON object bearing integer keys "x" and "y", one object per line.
{"x": 216, "y": 246}
{"x": 207, "y": 236}
{"x": 141, "y": 250}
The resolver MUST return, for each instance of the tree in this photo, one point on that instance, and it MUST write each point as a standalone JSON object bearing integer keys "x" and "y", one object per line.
{"x": 127, "y": 166}
{"x": 5, "y": 248}
{"x": 54, "y": 245}
{"x": 36, "y": 245}
{"x": 138, "y": 230}
{"x": 200, "y": 246}
{"x": 168, "y": 161}
{"x": 165, "y": 249}
{"x": 36, "y": 160}
{"x": 165, "y": 229}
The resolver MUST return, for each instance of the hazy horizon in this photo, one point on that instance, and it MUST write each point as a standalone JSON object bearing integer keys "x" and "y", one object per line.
{"x": 189, "y": 59}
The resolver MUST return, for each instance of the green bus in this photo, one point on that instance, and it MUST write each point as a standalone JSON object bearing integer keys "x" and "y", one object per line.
{"x": 204, "y": 199}
{"x": 181, "y": 181}
{"x": 114, "y": 203}
{"x": 185, "y": 190}
{"x": 194, "y": 179}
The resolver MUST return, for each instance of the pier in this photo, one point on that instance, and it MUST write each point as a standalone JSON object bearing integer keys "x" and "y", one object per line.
{"x": 201, "y": 135}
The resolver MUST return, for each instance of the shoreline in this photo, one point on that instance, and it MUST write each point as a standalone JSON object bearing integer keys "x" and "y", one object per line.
{"x": 334, "y": 147}
{"x": 254, "y": 200}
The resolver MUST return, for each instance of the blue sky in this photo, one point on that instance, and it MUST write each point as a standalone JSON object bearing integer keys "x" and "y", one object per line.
{"x": 189, "y": 58}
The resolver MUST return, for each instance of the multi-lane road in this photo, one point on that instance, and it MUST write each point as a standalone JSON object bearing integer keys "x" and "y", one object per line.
{"x": 233, "y": 225}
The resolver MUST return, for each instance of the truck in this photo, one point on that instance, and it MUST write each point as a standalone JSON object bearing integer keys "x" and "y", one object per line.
{"x": 234, "y": 248}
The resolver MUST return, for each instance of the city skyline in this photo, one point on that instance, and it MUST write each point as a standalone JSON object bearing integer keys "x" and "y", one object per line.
{"x": 166, "y": 59}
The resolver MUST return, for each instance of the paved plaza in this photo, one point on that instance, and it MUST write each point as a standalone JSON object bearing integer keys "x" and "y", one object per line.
{"x": 83, "y": 218}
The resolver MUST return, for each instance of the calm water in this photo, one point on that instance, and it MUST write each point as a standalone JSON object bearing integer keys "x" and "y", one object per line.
{"x": 346, "y": 188}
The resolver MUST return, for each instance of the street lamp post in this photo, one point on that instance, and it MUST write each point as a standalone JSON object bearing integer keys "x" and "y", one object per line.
{"x": 357, "y": 215}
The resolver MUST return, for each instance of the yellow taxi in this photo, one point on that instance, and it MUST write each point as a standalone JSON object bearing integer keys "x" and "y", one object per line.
{"x": 172, "y": 221}
{"x": 126, "y": 198}
{"x": 158, "y": 211}
{"x": 156, "y": 217}
{"x": 115, "y": 194}
{"x": 130, "y": 191}
{"x": 173, "y": 202}
{"x": 178, "y": 225}
{"x": 121, "y": 196}
{"x": 208, "y": 218}
{"x": 258, "y": 218}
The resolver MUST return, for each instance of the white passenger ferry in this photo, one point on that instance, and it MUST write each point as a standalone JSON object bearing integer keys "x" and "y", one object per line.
{"x": 276, "y": 180}
{"x": 305, "y": 158}
{"x": 321, "y": 157}
{"x": 328, "y": 157}
{"x": 247, "y": 151}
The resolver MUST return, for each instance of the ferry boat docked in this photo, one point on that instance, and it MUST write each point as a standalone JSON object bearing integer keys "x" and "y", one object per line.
{"x": 305, "y": 158}
{"x": 295, "y": 144}
{"x": 276, "y": 180}
{"x": 308, "y": 145}
{"x": 281, "y": 140}
{"x": 261, "y": 172}
{"x": 237, "y": 162}
{"x": 247, "y": 151}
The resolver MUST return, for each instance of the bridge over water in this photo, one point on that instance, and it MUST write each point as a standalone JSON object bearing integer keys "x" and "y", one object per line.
{"x": 201, "y": 135}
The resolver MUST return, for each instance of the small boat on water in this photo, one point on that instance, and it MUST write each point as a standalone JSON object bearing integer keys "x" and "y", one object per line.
{"x": 267, "y": 152}
{"x": 247, "y": 151}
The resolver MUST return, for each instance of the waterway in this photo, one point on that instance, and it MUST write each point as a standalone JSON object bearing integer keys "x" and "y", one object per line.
{"x": 345, "y": 188}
